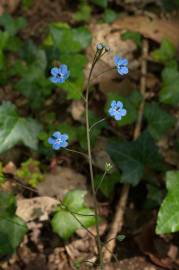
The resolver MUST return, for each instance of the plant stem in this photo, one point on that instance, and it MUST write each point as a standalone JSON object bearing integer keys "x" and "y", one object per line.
{"x": 77, "y": 152}
{"x": 99, "y": 246}
{"x": 97, "y": 123}
{"x": 100, "y": 182}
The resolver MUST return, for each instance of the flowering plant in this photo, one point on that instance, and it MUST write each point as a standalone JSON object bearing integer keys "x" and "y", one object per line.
{"x": 58, "y": 140}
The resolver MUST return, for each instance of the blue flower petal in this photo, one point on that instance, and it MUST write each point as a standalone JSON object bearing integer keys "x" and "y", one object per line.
{"x": 60, "y": 80}
{"x": 124, "y": 62}
{"x": 116, "y": 60}
{"x": 54, "y": 71}
{"x": 57, "y": 135}
{"x": 51, "y": 140}
{"x": 67, "y": 75}
{"x": 119, "y": 104}
{"x": 118, "y": 116}
{"x": 63, "y": 69}
{"x": 64, "y": 144}
{"x": 113, "y": 104}
{"x": 111, "y": 111}
{"x": 54, "y": 79}
{"x": 56, "y": 146}
{"x": 123, "y": 112}
{"x": 64, "y": 137}
{"x": 123, "y": 70}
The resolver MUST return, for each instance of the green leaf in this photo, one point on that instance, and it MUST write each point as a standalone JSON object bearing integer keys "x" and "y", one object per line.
{"x": 72, "y": 215}
{"x": 109, "y": 15}
{"x": 74, "y": 200}
{"x": 101, "y": 3}
{"x": 7, "y": 203}
{"x": 135, "y": 36}
{"x": 134, "y": 157}
{"x": 165, "y": 53}
{"x": 15, "y": 129}
{"x": 12, "y": 26}
{"x": 12, "y": 230}
{"x": 65, "y": 224}
{"x": 168, "y": 216}
{"x": 83, "y": 14}
{"x": 169, "y": 92}
{"x": 159, "y": 121}
{"x": 69, "y": 40}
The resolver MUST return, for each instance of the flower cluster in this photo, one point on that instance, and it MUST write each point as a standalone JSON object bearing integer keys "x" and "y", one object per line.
{"x": 59, "y": 75}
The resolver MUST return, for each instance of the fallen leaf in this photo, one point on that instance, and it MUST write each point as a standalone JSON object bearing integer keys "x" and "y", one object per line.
{"x": 153, "y": 28}
{"x": 35, "y": 208}
{"x": 77, "y": 109}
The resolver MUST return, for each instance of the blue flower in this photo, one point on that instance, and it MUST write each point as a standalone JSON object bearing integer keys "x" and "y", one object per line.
{"x": 58, "y": 140}
{"x": 59, "y": 75}
{"x": 117, "y": 110}
{"x": 121, "y": 64}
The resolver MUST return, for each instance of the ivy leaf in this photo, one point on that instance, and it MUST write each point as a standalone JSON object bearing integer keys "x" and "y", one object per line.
{"x": 134, "y": 157}
{"x": 7, "y": 203}
{"x": 159, "y": 121}
{"x": 74, "y": 200}
{"x": 68, "y": 40}
{"x": 12, "y": 26}
{"x": 12, "y": 230}
{"x": 15, "y": 129}
{"x": 165, "y": 53}
{"x": 169, "y": 92}
{"x": 72, "y": 215}
{"x": 168, "y": 216}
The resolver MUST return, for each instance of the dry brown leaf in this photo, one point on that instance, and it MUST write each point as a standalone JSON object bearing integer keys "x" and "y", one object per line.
{"x": 155, "y": 29}
{"x": 35, "y": 208}
{"x": 77, "y": 109}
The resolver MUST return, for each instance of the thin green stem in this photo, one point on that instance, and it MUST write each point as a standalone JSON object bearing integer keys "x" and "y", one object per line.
{"x": 99, "y": 246}
{"x": 96, "y": 123}
{"x": 100, "y": 182}
{"x": 109, "y": 69}
{"x": 76, "y": 152}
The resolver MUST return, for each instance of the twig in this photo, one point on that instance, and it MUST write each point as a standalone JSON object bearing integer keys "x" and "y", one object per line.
{"x": 121, "y": 206}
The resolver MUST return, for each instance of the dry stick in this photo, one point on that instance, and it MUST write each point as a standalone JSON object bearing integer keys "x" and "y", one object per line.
{"x": 121, "y": 206}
